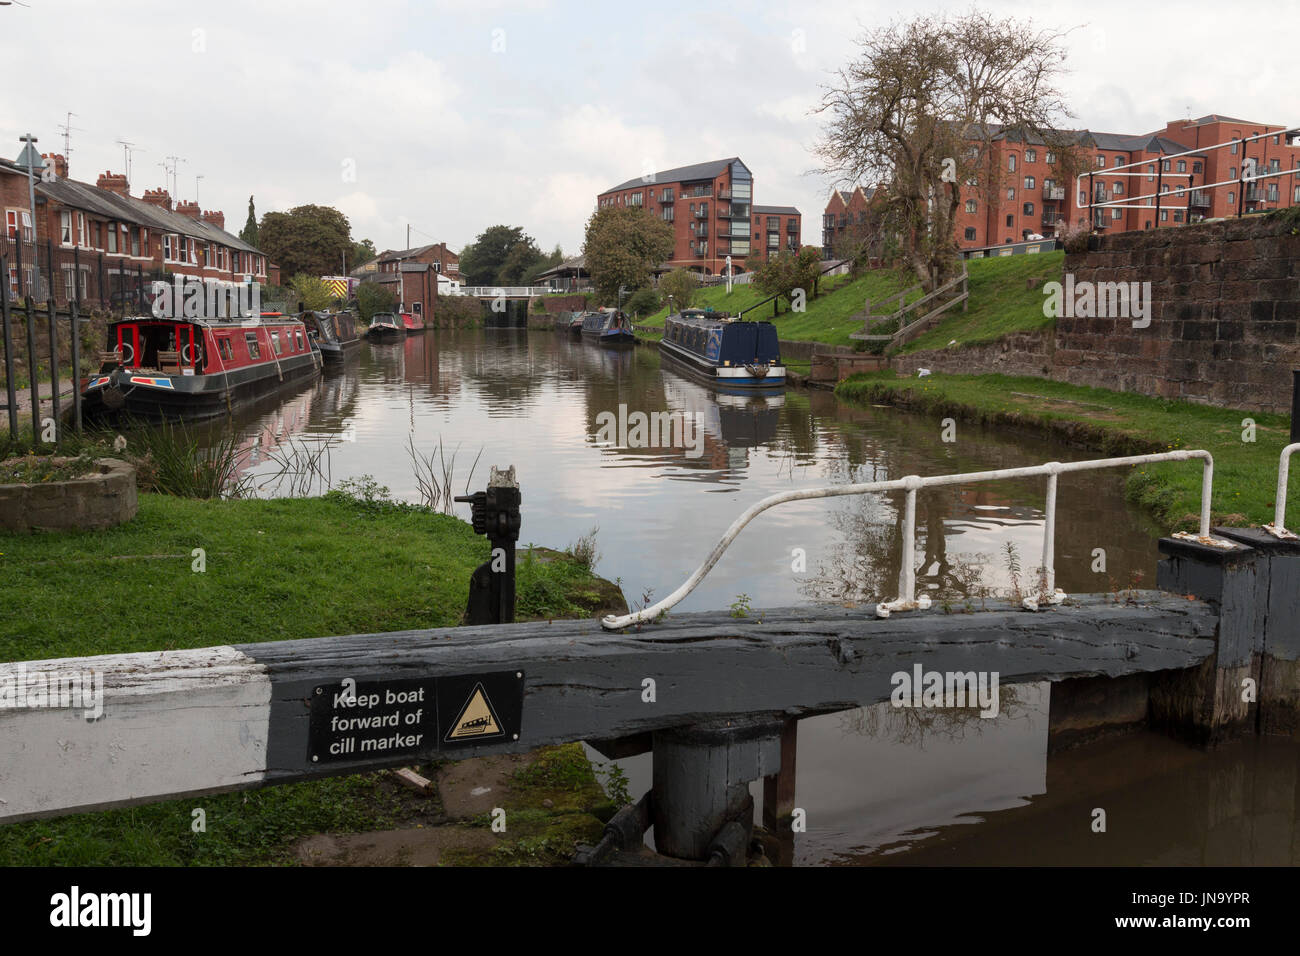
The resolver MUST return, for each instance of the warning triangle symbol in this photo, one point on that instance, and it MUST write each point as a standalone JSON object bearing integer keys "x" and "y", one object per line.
{"x": 477, "y": 718}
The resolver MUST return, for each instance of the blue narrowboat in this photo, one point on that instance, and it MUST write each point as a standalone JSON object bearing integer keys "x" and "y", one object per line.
{"x": 609, "y": 326}
{"x": 724, "y": 352}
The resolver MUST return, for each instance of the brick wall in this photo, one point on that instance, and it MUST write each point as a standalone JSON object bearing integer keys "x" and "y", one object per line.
{"x": 1225, "y": 319}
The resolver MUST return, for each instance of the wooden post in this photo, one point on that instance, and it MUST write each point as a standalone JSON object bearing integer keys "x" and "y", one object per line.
{"x": 1212, "y": 702}
{"x": 1279, "y": 664}
{"x": 701, "y": 781}
{"x": 779, "y": 795}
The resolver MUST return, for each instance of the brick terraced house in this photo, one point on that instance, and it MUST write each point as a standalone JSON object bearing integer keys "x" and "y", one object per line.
{"x": 87, "y": 226}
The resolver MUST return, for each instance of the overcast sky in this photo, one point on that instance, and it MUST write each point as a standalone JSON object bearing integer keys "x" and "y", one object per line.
{"x": 453, "y": 116}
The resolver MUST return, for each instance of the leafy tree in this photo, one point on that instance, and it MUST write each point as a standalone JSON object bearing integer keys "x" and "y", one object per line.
{"x": 520, "y": 261}
{"x": 312, "y": 291}
{"x": 310, "y": 239}
{"x": 681, "y": 285}
{"x": 786, "y": 272}
{"x": 482, "y": 261}
{"x": 249, "y": 232}
{"x": 623, "y": 244}
{"x": 643, "y": 302}
{"x": 373, "y": 297}
{"x": 362, "y": 252}
{"x": 919, "y": 111}
{"x": 546, "y": 262}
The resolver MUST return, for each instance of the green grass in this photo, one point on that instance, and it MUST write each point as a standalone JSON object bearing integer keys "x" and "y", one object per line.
{"x": 826, "y": 318}
{"x": 999, "y": 301}
{"x": 275, "y": 570}
{"x": 1117, "y": 423}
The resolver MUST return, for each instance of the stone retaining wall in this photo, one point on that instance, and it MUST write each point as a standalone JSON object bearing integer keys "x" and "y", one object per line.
{"x": 94, "y": 501}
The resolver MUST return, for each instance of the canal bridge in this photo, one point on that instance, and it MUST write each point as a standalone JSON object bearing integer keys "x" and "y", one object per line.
{"x": 1212, "y": 654}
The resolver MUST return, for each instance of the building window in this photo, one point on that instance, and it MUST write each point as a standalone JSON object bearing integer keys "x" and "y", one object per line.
{"x": 1011, "y": 192}
{"x": 112, "y": 237}
{"x": 1011, "y": 162}
{"x": 1151, "y": 169}
{"x": 1030, "y": 182}
{"x": 1101, "y": 161}
{"x": 1031, "y": 155}
{"x": 1083, "y": 197}
{"x": 1232, "y": 198}
{"x": 65, "y": 227}
{"x": 1029, "y": 209}
{"x": 1164, "y": 215}
{"x": 1164, "y": 165}
{"x": 1236, "y": 134}
{"x": 1272, "y": 192}
{"x": 1119, "y": 188}
{"x": 971, "y": 205}
{"x": 1011, "y": 221}
{"x": 1297, "y": 196}
{"x": 1119, "y": 161}
{"x": 970, "y": 234}
{"x": 1115, "y": 213}
{"x": 1232, "y": 172}
{"x": 1178, "y": 215}
{"x": 1051, "y": 157}
{"x": 1182, "y": 165}
{"x": 81, "y": 229}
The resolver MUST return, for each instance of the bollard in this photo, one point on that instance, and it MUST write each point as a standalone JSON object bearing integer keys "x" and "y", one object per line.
{"x": 495, "y": 513}
{"x": 1212, "y": 703}
{"x": 701, "y": 784}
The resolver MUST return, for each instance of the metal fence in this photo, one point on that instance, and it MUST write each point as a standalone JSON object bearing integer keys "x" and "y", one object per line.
{"x": 91, "y": 279}
{"x": 907, "y": 599}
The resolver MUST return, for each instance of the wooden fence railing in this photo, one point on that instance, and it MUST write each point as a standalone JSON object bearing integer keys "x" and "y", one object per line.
{"x": 906, "y": 333}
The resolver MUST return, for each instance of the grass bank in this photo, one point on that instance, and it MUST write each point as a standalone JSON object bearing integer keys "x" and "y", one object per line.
{"x": 273, "y": 570}
{"x": 1000, "y": 303}
{"x": 1116, "y": 423}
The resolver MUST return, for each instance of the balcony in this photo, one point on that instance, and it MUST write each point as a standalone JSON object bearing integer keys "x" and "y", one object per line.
{"x": 724, "y": 212}
{"x": 702, "y": 232}
{"x": 792, "y": 228}
{"x": 724, "y": 193}
{"x": 701, "y": 252}
{"x": 702, "y": 212}
{"x": 667, "y": 196}
{"x": 1051, "y": 192}
{"x": 1255, "y": 194}
{"x": 1100, "y": 194}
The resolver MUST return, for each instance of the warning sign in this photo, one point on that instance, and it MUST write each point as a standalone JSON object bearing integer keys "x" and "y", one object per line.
{"x": 480, "y": 709}
{"x": 477, "y": 719}
{"x": 366, "y": 721}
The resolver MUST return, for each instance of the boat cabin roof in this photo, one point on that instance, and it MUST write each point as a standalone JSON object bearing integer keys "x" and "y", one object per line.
{"x": 235, "y": 322}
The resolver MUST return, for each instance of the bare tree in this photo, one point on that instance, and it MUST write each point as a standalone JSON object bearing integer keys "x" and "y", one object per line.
{"x": 919, "y": 112}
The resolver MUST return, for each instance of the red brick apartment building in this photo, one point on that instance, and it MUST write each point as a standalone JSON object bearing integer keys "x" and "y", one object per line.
{"x": 1034, "y": 197}
{"x": 711, "y": 208}
{"x": 131, "y": 234}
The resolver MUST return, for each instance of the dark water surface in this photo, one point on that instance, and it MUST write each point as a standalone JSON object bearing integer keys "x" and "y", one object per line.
{"x": 875, "y": 788}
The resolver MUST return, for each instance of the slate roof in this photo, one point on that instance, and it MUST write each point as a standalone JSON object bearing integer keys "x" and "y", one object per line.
{"x": 680, "y": 174}
{"x": 79, "y": 195}
{"x": 777, "y": 211}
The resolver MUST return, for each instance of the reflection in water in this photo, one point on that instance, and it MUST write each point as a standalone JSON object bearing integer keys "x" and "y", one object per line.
{"x": 532, "y": 400}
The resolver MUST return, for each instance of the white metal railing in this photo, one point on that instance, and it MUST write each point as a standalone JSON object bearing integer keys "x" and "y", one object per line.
{"x": 1278, "y": 527}
{"x": 1248, "y": 176}
{"x": 911, "y": 484}
{"x": 509, "y": 291}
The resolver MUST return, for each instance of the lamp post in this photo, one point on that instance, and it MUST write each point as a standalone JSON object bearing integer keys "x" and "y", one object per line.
{"x": 30, "y": 158}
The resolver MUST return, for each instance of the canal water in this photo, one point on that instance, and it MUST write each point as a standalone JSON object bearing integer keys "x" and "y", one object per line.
{"x": 564, "y": 412}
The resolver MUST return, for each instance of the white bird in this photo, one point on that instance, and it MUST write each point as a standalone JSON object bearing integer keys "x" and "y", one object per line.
{"x": 922, "y": 372}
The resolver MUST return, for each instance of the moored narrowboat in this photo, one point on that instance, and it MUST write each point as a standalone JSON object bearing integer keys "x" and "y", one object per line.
{"x": 575, "y": 323}
{"x": 411, "y": 322}
{"x": 385, "y": 325}
{"x": 174, "y": 369}
{"x": 725, "y": 352}
{"x": 609, "y": 327}
{"x": 335, "y": 334}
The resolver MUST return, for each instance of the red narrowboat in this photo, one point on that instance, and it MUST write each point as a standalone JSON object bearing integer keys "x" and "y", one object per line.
{"x": 173, "y": 369}
{"x": 412, "y": 322}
